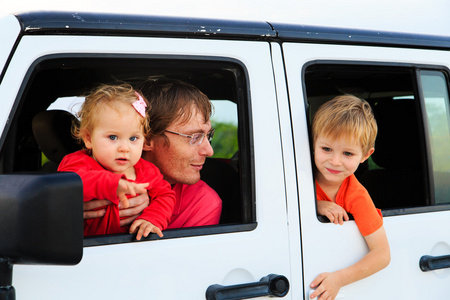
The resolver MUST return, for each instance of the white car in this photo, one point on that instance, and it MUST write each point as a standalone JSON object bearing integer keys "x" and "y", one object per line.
{"x": 267, "y": 77}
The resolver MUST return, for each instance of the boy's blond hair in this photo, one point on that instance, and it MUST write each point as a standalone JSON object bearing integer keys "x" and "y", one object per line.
{"x": 349, "y": 117}
{"x": 107, "y": 95}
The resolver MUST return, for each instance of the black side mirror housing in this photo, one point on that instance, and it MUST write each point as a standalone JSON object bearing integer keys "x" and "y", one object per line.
{"x": 41, "y": 218}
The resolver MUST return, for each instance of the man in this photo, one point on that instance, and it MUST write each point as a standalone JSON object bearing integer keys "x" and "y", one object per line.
{"x": 179, "y": 144}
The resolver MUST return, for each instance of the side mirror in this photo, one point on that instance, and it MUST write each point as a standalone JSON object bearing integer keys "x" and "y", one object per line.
{"x": 41, "y": 221}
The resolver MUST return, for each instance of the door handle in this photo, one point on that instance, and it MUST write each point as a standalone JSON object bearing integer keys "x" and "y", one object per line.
{"x": 430, "y": 263}
{"x": 270, "y": 285}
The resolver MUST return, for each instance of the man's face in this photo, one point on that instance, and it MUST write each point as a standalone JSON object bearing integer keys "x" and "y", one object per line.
{"x": 181, "y": 162}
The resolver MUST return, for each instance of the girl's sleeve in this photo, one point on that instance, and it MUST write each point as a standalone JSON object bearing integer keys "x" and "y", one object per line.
{"x": 162, "y": 201}
{"x": 97, "y": 184}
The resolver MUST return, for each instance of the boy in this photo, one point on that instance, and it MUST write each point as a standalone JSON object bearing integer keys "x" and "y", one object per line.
{"x": 344, "y": 131}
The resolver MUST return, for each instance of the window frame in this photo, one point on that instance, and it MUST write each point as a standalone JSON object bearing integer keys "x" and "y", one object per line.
{"x": 241, "y": 91}
{"x": 424, "y": 139}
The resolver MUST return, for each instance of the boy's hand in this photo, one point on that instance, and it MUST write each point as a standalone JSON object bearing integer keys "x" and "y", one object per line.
{"x": 332, "y": 211}
{"x": 327, "y": 286}
{"x": 145, "y": 227}
{"x": 126, "y": 187}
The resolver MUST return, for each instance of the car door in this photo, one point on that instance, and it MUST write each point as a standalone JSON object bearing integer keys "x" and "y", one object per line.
{"x": 408, "y": 90}
{"x": 187, "y": 261}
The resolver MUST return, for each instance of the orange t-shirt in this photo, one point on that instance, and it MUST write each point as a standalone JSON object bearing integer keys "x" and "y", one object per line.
{"x": 354, "y": 198}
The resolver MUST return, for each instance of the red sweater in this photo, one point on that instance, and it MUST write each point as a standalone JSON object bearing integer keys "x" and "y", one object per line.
{"x": 99, "y": 183}
{"x": 196, "y": 205}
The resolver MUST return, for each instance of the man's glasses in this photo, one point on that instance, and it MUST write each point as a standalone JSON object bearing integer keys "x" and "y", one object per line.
{"x": 196, "y": 138}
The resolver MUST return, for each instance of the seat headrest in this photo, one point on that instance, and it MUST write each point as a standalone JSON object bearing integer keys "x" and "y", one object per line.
{"x": 398, "y": 142}
{"x": 52, "y": 131}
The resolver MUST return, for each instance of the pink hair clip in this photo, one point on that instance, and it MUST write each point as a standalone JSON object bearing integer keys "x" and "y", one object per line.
{"x": 139, "y": 105}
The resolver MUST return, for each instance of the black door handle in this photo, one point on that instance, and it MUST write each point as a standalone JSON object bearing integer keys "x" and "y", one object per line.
{"x": 271, "y": 285}
{"x": 430, "y": 263}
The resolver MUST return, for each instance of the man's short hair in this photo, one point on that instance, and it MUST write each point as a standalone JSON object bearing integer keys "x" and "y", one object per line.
{"x": 172, "y": 100}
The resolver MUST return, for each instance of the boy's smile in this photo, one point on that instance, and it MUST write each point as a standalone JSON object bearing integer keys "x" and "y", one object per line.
{"x": 336, "y": 159}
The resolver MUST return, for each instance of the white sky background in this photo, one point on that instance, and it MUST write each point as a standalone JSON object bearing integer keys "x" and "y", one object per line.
{"x": 416, "y": 16}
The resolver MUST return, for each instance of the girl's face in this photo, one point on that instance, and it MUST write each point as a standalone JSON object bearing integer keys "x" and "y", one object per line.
{"x": 117, "y": 138}
{"x": 337, "y": 159}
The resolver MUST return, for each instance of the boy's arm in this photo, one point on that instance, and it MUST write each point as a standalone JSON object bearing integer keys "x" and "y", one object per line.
{"x": 328, "y": 284}
{"x": 335, "y": 213}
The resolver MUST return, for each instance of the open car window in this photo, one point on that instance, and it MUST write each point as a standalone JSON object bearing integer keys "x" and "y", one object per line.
{"x": 60, "y": 82}
{"x": 410, "y": 105}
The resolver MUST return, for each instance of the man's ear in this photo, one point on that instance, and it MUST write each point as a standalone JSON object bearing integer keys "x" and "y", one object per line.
{"x": 87, "y": 138}
{"x": 369, "y": 153}
{"x": 149, "y": 145}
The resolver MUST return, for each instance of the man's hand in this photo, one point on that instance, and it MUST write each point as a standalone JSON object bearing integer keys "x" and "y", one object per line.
{"x": 136, "y": 206}
{"x": 89, "y": 207}
{"x": 332, "y": 211}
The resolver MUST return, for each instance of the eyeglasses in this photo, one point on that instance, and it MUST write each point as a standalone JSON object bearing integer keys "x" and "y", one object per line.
{"x": 196, "y": 138}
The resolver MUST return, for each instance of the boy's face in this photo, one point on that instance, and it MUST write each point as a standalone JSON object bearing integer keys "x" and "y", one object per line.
{"x": 337, "y": 159}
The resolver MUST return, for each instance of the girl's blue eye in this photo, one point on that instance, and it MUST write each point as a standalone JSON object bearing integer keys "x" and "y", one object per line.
{"x": 133, "y": 138}
{"x": 348, "y": 153}
{"x": 326, "y": 149}
{"x": 113, "y": 137}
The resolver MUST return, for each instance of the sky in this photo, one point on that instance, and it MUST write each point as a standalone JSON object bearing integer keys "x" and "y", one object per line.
{"x": 414, "y": 16}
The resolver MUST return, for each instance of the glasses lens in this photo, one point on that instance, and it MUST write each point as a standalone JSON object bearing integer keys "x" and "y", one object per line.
{"x": 211, "y": 134}
{"x": 197, "y": 138}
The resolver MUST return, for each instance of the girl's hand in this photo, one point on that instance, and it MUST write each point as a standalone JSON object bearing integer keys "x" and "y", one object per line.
{"x": 126, "y": 187}
{"x": 145, "y": 227}
{"x": 332, "y": 211}
{"x": 327, "y": 286}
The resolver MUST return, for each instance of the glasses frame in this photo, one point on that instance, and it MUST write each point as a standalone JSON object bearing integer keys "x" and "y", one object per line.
{"x": 201, "y": 136}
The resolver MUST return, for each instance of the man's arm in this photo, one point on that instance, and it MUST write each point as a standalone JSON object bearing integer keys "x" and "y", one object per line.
{"x": 89, "y": 207}
{"x": 137, "y": 205}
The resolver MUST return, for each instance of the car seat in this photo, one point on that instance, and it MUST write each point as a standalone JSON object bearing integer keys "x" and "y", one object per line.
{"x": 399, "y": 181}
{"x": 52, "y": 131}
{"x": 224, "y": 179}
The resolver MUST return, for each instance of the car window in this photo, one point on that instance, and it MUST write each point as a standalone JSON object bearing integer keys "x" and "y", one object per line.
{"x": 60, "y": 83}
{"x": 403, "y": 175}
{"x": 225, "y": 121}
{"x": 435, "y": 93}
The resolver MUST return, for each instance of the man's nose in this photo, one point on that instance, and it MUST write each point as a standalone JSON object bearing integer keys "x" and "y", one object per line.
{"x": 205, "y": 148}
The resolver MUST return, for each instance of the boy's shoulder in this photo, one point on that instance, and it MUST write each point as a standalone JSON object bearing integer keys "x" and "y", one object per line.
{"x": 352, "y": 189}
